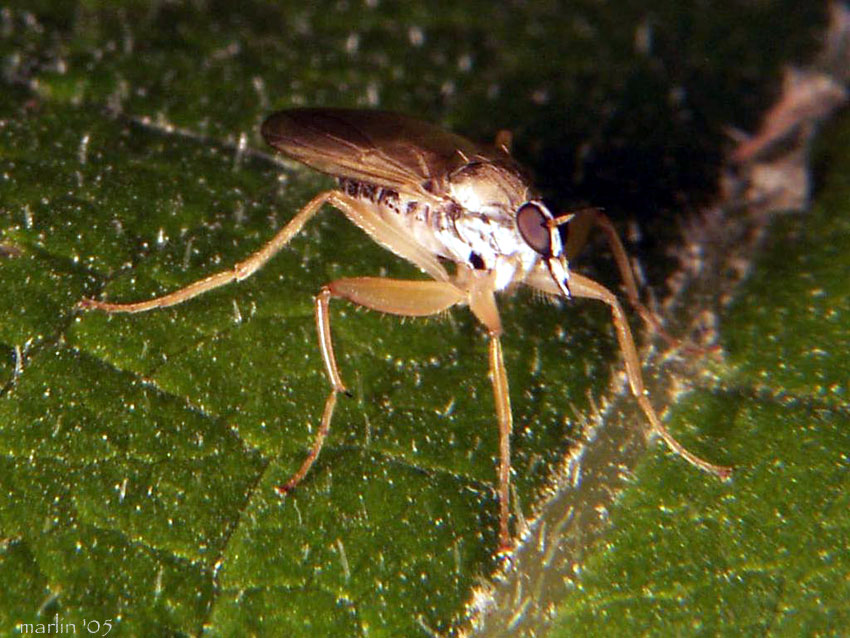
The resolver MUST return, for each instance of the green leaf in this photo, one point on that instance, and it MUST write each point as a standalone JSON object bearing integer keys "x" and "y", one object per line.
{"x": 140, "y": 453}
{"x": 767, "y": 554}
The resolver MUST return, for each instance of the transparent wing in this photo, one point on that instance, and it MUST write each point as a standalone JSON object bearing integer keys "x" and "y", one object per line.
{"x": 379, "y": 147}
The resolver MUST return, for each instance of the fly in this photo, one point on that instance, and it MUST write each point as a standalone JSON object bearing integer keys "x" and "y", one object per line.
{"x": 435, "y": 198}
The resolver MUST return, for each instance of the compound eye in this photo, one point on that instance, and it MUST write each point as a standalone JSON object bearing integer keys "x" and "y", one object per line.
{"x": 534, "y": 228}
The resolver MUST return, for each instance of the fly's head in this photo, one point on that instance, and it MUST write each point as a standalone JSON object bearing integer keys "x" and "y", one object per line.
{"x": 539, "y": 229}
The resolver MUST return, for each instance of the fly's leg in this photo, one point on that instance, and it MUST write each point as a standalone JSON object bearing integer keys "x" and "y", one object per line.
{"x": 499, "y": 378}
{"x": 375, "y": 293}
{"x": 313, "y": 454}
{"x": 240, "y": 271}
{"x": 579, "y": 229}
{"x": 581, "y": 286}
{"x": 482, "y": 303}
{"x": 392, "y": 296}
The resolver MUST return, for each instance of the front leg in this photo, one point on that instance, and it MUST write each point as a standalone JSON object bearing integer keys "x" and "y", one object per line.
{"x": 581, "y": 286}
{"x": 578, "y": 231}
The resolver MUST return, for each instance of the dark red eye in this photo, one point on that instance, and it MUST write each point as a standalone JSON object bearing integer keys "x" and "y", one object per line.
{"x": 533, "y": 227}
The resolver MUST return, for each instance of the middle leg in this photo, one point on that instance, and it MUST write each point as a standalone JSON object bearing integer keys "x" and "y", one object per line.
{"x": 392, "y": 296}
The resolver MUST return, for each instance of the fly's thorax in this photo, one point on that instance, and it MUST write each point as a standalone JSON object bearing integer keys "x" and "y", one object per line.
{"x": 484, "y": 232}
{"x": 487, "y": 188}
{"x": 490, "y": 242}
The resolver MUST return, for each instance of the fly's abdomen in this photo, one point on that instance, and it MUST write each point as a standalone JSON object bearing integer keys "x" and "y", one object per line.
{"x": 427, "y": 224}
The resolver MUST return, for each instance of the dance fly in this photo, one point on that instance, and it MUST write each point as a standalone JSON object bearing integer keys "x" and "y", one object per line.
{"x": 464, "y": 214}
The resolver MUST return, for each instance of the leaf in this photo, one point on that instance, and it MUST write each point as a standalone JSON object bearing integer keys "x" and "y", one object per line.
{"x": 765, "y": 556}
{"x": 140, "y": 452}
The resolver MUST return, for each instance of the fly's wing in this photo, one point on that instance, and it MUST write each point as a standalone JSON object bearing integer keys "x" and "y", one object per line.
{"x": 378, "y": 147}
